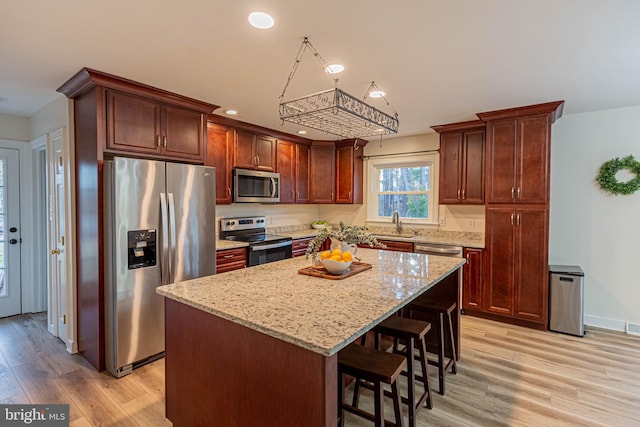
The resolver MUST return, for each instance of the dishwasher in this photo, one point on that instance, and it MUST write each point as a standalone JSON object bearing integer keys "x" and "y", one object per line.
{"x": 444, "y": 250}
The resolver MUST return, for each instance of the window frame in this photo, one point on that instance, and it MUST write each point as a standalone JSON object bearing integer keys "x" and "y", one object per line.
{"x": 432, "y": 160}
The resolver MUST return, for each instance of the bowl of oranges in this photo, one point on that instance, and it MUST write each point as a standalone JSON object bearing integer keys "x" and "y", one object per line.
{"x": 336, "y": 261}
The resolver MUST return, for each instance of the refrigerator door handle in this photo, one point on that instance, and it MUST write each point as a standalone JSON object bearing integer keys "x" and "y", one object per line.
{"x": 172, "y": 237}
{"x": 164, "y": 218}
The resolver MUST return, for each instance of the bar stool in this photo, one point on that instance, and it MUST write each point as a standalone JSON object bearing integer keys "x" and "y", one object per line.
{"x": 436, "y": 310}
{"x": 413, "y": 333}
{"x": 377, "y": 367}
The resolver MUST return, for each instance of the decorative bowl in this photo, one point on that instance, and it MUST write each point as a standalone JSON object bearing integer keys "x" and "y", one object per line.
{"x": 319, "y": 226}
{"x": 335, "y": 267}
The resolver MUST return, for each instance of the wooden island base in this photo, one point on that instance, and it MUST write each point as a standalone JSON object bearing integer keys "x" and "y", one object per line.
{"x": 224, "y": 374}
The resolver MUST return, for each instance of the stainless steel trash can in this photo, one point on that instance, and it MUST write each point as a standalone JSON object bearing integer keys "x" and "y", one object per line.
{"x": 566, "y": 299}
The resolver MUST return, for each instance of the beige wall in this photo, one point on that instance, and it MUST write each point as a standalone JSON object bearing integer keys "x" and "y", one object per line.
{"x": 51, "y": 117}
{"x": 597, "y": 231}
{"x": 14, "y": 128}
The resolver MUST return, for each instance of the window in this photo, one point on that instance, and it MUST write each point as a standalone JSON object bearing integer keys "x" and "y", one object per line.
{"x": 403, "y": 184}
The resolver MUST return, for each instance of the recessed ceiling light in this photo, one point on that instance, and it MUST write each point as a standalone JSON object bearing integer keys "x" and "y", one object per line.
{"x": 334, "y": 68}
{"x": 231, "y": 112}
{"x": 377, "y": 93}
{"x": 302, "y": 132}
{"x": 261, "y": 20}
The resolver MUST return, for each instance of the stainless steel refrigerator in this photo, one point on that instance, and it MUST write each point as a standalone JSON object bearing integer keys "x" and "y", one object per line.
{"x": 159, "y": 229}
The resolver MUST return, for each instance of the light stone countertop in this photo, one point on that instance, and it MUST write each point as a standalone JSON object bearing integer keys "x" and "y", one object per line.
{"x": 229, "y": 244}
{"x": 318, "y": 314}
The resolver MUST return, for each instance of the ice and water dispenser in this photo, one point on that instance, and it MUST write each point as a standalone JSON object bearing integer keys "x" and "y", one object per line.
{"x": 142, "y": 248}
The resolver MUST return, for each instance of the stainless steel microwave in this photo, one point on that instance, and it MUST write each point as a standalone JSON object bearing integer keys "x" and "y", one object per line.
{"x": 251, "y": 186}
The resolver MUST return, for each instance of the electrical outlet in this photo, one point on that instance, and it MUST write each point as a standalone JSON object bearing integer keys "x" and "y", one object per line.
{"x": 471, "y": 222}
{"x": 443, "y": 221}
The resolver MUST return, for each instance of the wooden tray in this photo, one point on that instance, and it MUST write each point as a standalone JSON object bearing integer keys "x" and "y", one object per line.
{"x": 355, "y": 268}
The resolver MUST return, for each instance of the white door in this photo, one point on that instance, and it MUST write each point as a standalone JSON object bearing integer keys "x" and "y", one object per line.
{"x": 57, "y": 236}
{"x": 10, "y": 287}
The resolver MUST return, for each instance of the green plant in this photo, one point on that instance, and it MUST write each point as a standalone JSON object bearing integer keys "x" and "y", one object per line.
{"x": 607, "y": 176}
{"x": 346, "y": 233}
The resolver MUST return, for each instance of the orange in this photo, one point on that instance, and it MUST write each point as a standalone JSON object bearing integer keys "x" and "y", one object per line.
{"x": 346, "y": 256}
{"x": 336, "y": 258}
{"x": 336, "y": 252}
{"x": 325, "y": 254}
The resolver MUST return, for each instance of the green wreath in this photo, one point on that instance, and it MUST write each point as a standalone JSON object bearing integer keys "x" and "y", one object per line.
{"x": 607, "y": 176}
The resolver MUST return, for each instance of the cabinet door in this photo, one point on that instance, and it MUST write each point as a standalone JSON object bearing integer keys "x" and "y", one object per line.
{"x": 183, "y": 133}
{"x": 303, "y": 164}
{"x": 287, "y": 171}
{"x": 499, "y": 260}
{"x": 534, "y": 134}
{"x": 501, "y": 161}
{"x": 220, "y": 142}
{"x": 531, "y": 272}
{"x": 244, "y": 156}
{"x": 133, "y": 124}
{"x": 344, "y": 174}
{"x": 450, "y": 168}
{"x": 473, "y": 164}
{"x": 472, "y": 284}
{"x": 322, "y": 173}
{"x": 266, "y": 153}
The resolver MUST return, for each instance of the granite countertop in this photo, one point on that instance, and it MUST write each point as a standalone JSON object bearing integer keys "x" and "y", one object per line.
{"x": 318, "y": 314}
{"x": 229, "y": 244}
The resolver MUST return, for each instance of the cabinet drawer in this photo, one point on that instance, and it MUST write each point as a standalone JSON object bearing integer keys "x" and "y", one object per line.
{"x": 237, "y": 265}
{"x": 393, "y": 245}
{"x": 299, "y": 246}
{"x": 230, "y": 256}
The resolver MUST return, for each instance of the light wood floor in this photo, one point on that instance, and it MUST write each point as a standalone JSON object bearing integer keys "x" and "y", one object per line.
{"x": 508, "y": 376}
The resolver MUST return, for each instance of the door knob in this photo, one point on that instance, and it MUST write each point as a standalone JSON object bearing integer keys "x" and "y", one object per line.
{"x": 55, "y": 251}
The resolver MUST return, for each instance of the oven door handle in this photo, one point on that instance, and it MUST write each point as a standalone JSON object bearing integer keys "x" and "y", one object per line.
{"x": 271, "y": 246}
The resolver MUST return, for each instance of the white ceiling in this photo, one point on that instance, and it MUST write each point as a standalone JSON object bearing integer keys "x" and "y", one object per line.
{"x": 439, "y": 61}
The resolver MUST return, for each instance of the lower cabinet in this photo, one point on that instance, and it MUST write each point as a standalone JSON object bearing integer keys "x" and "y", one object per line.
{"x": 516, "y": 263}
{"x": 472, "y": 282}
{"x": 231, "y": 259}
{"x": 299, "y": 246}
{"x": 393, "y": 245}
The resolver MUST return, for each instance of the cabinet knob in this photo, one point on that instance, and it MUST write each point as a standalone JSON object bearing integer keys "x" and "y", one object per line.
{"x": 512, "y": 191}
{"x": 458, "y": 194}
{"x": 229, "y": 191}
{"x": 158, "y": 141}
{"x": 297, "y": 194}
{"x": 511, "y": 219}
{"x": 463, "y": 194}
{"x": 349, "y": 195}
{"x": 332, "y": 195}
{"x": 164, "y": 141}
{"x": 518, "y": 219}
{"x": 519, "y": 193}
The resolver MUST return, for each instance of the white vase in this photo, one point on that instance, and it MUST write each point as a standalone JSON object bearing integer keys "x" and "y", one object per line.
{"x": 343, "y": 246}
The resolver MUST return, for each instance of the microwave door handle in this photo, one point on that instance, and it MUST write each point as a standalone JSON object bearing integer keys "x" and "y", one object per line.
{"x": 273, "y": 187}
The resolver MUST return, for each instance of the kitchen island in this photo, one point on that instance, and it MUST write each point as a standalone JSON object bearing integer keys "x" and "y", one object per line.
{"x": 259, "y": 346}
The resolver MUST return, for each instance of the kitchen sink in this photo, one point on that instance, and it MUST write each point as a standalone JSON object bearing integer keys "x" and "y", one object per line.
{"x": 392, "y": 235}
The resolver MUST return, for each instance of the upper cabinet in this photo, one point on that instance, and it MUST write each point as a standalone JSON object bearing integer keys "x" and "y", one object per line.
{"x": 255, "y": 151}
{"x": 220, "y": 144}
{"x": 323, "y": 162}
{"x": 462, "y": 162}
{"x": 293, "y": 166}
{"x": 518, "y": 153}
{"x": 349, "y": 171}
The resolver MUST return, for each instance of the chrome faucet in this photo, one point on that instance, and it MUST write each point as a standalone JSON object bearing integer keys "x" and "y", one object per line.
{"x": 395, "y": 219}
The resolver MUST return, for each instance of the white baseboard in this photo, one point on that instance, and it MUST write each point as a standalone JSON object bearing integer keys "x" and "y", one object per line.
{"x": 605, "y": 323}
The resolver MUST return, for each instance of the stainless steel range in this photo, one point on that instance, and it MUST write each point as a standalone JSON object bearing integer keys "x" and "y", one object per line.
{"x": 263, "y": 247}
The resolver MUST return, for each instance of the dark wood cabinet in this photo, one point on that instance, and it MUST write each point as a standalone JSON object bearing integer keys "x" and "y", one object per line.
{"x": 299, "y": 246}
{"x": 516, "y": 271}
{"x": 518, "y": 159}
{"x": 293, "y": 166}
{"x": 322, "y": 172}
{"x": 230, "y": 259}
{"x": 144, "y": 126}
{"x": 394, "y": 245}
{"x": 219, "y": 154}
{"x": 472, "y": 283}
{"x": 349, "y": 171}
{"x": 255, "y": 151}
{"x": 462, "y": 162}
